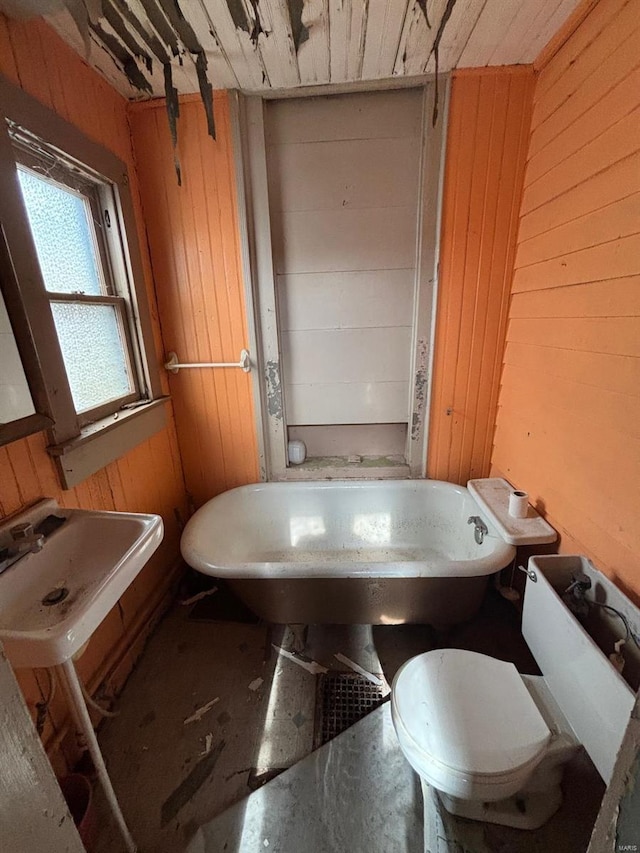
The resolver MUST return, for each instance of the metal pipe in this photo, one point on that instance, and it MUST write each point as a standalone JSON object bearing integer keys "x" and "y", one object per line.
{"x": 71, "y": 684}
{"x": 173, "y": 365}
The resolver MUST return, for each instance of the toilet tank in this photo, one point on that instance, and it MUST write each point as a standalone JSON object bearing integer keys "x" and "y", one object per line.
{"x": 593, "y": 696}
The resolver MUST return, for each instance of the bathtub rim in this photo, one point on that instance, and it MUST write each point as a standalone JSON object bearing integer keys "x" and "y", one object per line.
{"x": 501, "y": 556}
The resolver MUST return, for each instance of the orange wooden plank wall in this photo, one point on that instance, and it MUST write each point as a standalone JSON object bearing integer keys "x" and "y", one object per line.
{"x": 195, "y": 252}
{"x": 488, "y": 131}
{"x": 150, "y": 477}
{"x": 568, "y": 425}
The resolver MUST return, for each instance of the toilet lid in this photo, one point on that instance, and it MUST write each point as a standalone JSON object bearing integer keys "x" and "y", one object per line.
{"x": 470, "y": 712}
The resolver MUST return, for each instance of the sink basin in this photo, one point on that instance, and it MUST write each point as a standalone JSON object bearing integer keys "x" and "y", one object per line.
{"x": 52, "y": 601}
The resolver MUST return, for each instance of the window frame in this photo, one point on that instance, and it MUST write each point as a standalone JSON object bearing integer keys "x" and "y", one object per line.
{"x": 95, "y": 192}
{"x": 80, "y": 448}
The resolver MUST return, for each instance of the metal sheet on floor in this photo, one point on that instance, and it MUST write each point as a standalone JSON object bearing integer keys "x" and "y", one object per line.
{"x": 357, "y": 793}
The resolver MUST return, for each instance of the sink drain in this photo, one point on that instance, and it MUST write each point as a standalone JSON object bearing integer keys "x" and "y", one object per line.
{"x": 55, "y": 596}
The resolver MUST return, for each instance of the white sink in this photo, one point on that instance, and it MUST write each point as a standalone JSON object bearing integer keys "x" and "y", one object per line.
{"x": 87, "y": 563}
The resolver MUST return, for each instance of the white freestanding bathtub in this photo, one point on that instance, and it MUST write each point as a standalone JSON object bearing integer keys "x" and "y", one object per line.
{"x": 376, "y": 552}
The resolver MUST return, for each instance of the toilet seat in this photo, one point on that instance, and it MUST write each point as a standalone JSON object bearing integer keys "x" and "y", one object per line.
{"x": 469, "y": 715}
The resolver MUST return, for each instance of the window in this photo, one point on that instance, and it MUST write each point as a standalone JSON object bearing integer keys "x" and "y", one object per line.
{"x": 68, "y": 227}
{"x": 65, "y": 212}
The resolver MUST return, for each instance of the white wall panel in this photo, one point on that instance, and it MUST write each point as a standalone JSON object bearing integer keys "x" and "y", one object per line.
{"x": 346, "y": 355}
{"x": 347, "y": 402}
{"x": 352, "y": 439}
{"x": 343, "y": 199}
{"x": 343, "y": 240}
{"x": 370, "y": 115}
{"x": 364, "y": 173}
{"x": 346, "y": 299}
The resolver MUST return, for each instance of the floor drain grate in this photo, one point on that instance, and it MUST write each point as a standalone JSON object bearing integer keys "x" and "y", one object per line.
{"x": 342, "y": 699}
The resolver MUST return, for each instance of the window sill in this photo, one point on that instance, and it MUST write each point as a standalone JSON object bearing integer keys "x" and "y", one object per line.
{"x": 106, "y": 440}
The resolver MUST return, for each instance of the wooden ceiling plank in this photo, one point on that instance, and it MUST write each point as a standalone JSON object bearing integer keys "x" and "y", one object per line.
{"x": 277, "y": 48}
{"x": 65, "y": 26}
{"x": 384, "y": 29}
{"x": 343, "y": 41}
{"x": 531, "y": 19}
{"x": 314, "y": 57}
{"x": 532, "y": 46}
{"x": 414, "y": 52}
{"x": 155, "y": 76}
{"x": 491, "y": 28}
{"x": 236, "y": 46}
{"x": 457, "y": 32}
{"x": 219, "y": 70}
{"x": 348, "y": 21}
{"x": 107, "y": 38}
{"x": 504, "y": 51}
{"x": 183, "y": 74}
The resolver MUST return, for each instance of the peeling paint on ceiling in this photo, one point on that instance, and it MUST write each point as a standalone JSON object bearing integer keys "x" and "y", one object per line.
{"x": 298, "y": 29}
{"x": 423, "y": 6}
{"x": 446, "y": 15}
{"x": 252, "y": 25}
{"x": 256, "y": 45}
{"x": 153, "y": 48}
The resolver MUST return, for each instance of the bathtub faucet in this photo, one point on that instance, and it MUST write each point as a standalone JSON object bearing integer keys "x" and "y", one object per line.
{"x": 480, "y": 528}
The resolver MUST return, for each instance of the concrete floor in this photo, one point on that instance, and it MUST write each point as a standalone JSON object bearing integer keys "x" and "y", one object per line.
{"x": 172, "y": 777}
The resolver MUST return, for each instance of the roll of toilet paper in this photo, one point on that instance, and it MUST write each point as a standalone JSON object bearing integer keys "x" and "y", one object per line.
{"x": 518, "y": 504}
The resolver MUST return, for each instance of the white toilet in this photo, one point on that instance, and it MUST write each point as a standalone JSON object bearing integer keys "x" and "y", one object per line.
{"x": 494, "y": 743}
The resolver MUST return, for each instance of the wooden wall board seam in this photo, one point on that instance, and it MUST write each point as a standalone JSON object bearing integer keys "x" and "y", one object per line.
{"x": 516, "y": 96}
{"x": 583, "y": 266}
{"x": 592, "y": 228}
{"x": 605, "y": 76}
{"x": 614, "y": 105}
{"x": 564, "y": 34}
{"x": 473, "y": 424}
{"x": 439, "y": 429}
{"x": 195, "y": 252}
{"x": 586, "y": 128}
{"x": 611, "y": 184}
{"x": 574, "y": 180}
{"x": 505, "y": 302}
{"x": 477, "y": 252}
{"x": 589, "y": 66}
{"x": 458, "y": 412}
{"x": 631, "y": 231}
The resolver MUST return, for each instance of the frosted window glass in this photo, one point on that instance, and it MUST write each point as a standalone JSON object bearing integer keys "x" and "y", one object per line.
{"x": 62, "y": 234}
{"x": 93, "y": 352}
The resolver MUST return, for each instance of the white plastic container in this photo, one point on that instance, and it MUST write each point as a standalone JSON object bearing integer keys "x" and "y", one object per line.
{"x": 297, "y": 452}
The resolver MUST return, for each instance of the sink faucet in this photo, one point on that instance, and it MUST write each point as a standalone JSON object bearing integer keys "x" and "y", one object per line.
{"x": 24, "y": 540}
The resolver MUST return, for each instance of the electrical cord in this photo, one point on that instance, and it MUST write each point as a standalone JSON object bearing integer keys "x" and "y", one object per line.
{"x": 91, "y": 702}
{"x": 578, "y": 587}
{"x": 621, "y": 616}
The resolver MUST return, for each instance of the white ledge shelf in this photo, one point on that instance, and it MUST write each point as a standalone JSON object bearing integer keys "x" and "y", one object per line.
{"x": 492, "y": 495}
